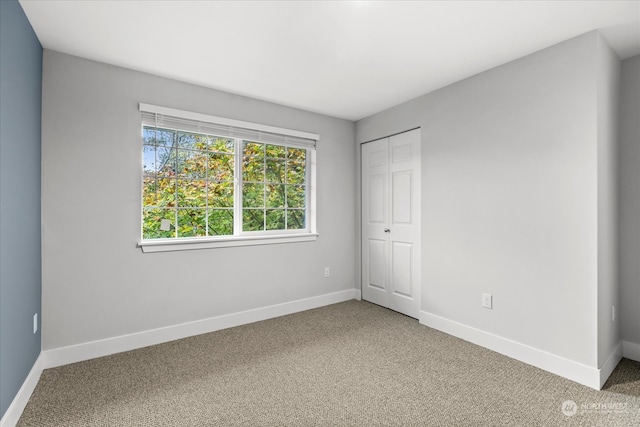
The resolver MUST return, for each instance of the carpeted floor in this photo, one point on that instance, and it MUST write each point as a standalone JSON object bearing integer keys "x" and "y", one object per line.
{"x": 348, "y": 364}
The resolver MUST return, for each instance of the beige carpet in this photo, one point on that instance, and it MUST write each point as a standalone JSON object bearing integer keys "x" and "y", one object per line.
{"x": 349, "y": 364}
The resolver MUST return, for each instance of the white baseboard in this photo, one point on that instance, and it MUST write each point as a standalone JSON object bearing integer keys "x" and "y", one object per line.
{"x": 631, "y": 350}
{"x": 610, "y": 364}
{"x": 358, "y": 295}
{"x": 14, "y": 411}
{"x": 90, "y": 350}
{"x": 555, "y": 364}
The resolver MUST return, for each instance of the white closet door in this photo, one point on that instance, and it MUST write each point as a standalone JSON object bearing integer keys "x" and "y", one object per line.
{"x": 391, "y": 222}
{"x": 375, "y": 220}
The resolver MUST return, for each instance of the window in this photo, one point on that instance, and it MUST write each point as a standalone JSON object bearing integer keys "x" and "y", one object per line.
{"x": 210, "y": 179}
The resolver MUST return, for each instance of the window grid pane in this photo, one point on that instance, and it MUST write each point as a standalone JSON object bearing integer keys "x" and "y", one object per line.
{"x": 279, "y": 174}
{"x": 178, "y": 188}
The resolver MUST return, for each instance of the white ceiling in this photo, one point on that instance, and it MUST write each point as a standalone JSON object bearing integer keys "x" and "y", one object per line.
{"x": 345, "y": 59}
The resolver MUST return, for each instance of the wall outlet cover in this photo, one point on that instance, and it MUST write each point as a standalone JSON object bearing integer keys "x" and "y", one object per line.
{"x": 487, "y": 300}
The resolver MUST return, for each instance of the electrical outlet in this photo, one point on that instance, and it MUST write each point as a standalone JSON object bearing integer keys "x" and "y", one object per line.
{"x": 487, "y": 301}
{"x": 327, "y": 272}
{"x": 35, "y": 323}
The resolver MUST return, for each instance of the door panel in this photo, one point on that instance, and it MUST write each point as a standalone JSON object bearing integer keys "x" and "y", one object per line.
{"x": 376, "y": 199}
{"x": 378, "y": 157}
{"x": 401, "y": 153}
{"x": 401, "y": 259}
{"x": 401, "y": 197}
{"x": 377, "y": 262}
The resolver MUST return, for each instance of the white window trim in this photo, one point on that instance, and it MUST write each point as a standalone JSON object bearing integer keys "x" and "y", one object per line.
{"x": 245, "y": 238}
{"x": 185, "y": 244}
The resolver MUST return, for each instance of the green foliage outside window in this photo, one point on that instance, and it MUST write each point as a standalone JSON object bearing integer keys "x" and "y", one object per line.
{"x": 188, "y": 181}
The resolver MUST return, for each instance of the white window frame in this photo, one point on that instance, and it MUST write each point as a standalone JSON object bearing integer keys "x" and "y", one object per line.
{"x": 240, "y": 238}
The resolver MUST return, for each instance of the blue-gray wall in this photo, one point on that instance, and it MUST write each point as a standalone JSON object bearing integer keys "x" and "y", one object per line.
{"x": 20, "y": 261}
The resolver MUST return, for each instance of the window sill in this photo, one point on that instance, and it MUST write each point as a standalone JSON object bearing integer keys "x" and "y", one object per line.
{"x": 168, "y": 245}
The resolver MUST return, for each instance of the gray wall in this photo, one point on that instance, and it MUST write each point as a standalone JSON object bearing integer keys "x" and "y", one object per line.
{"x": 608, "y": 90}
{"x": 629, "y": 176}
{"x": 20, "y": 280}
{"x": 510, "y": 197}
{"x": 96, "y": 283}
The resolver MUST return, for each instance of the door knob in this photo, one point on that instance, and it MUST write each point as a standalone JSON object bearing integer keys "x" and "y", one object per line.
{"x": 386, "y": 230}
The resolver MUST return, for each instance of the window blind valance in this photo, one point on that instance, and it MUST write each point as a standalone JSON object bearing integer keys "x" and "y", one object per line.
{"x": 163, "y": 117}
